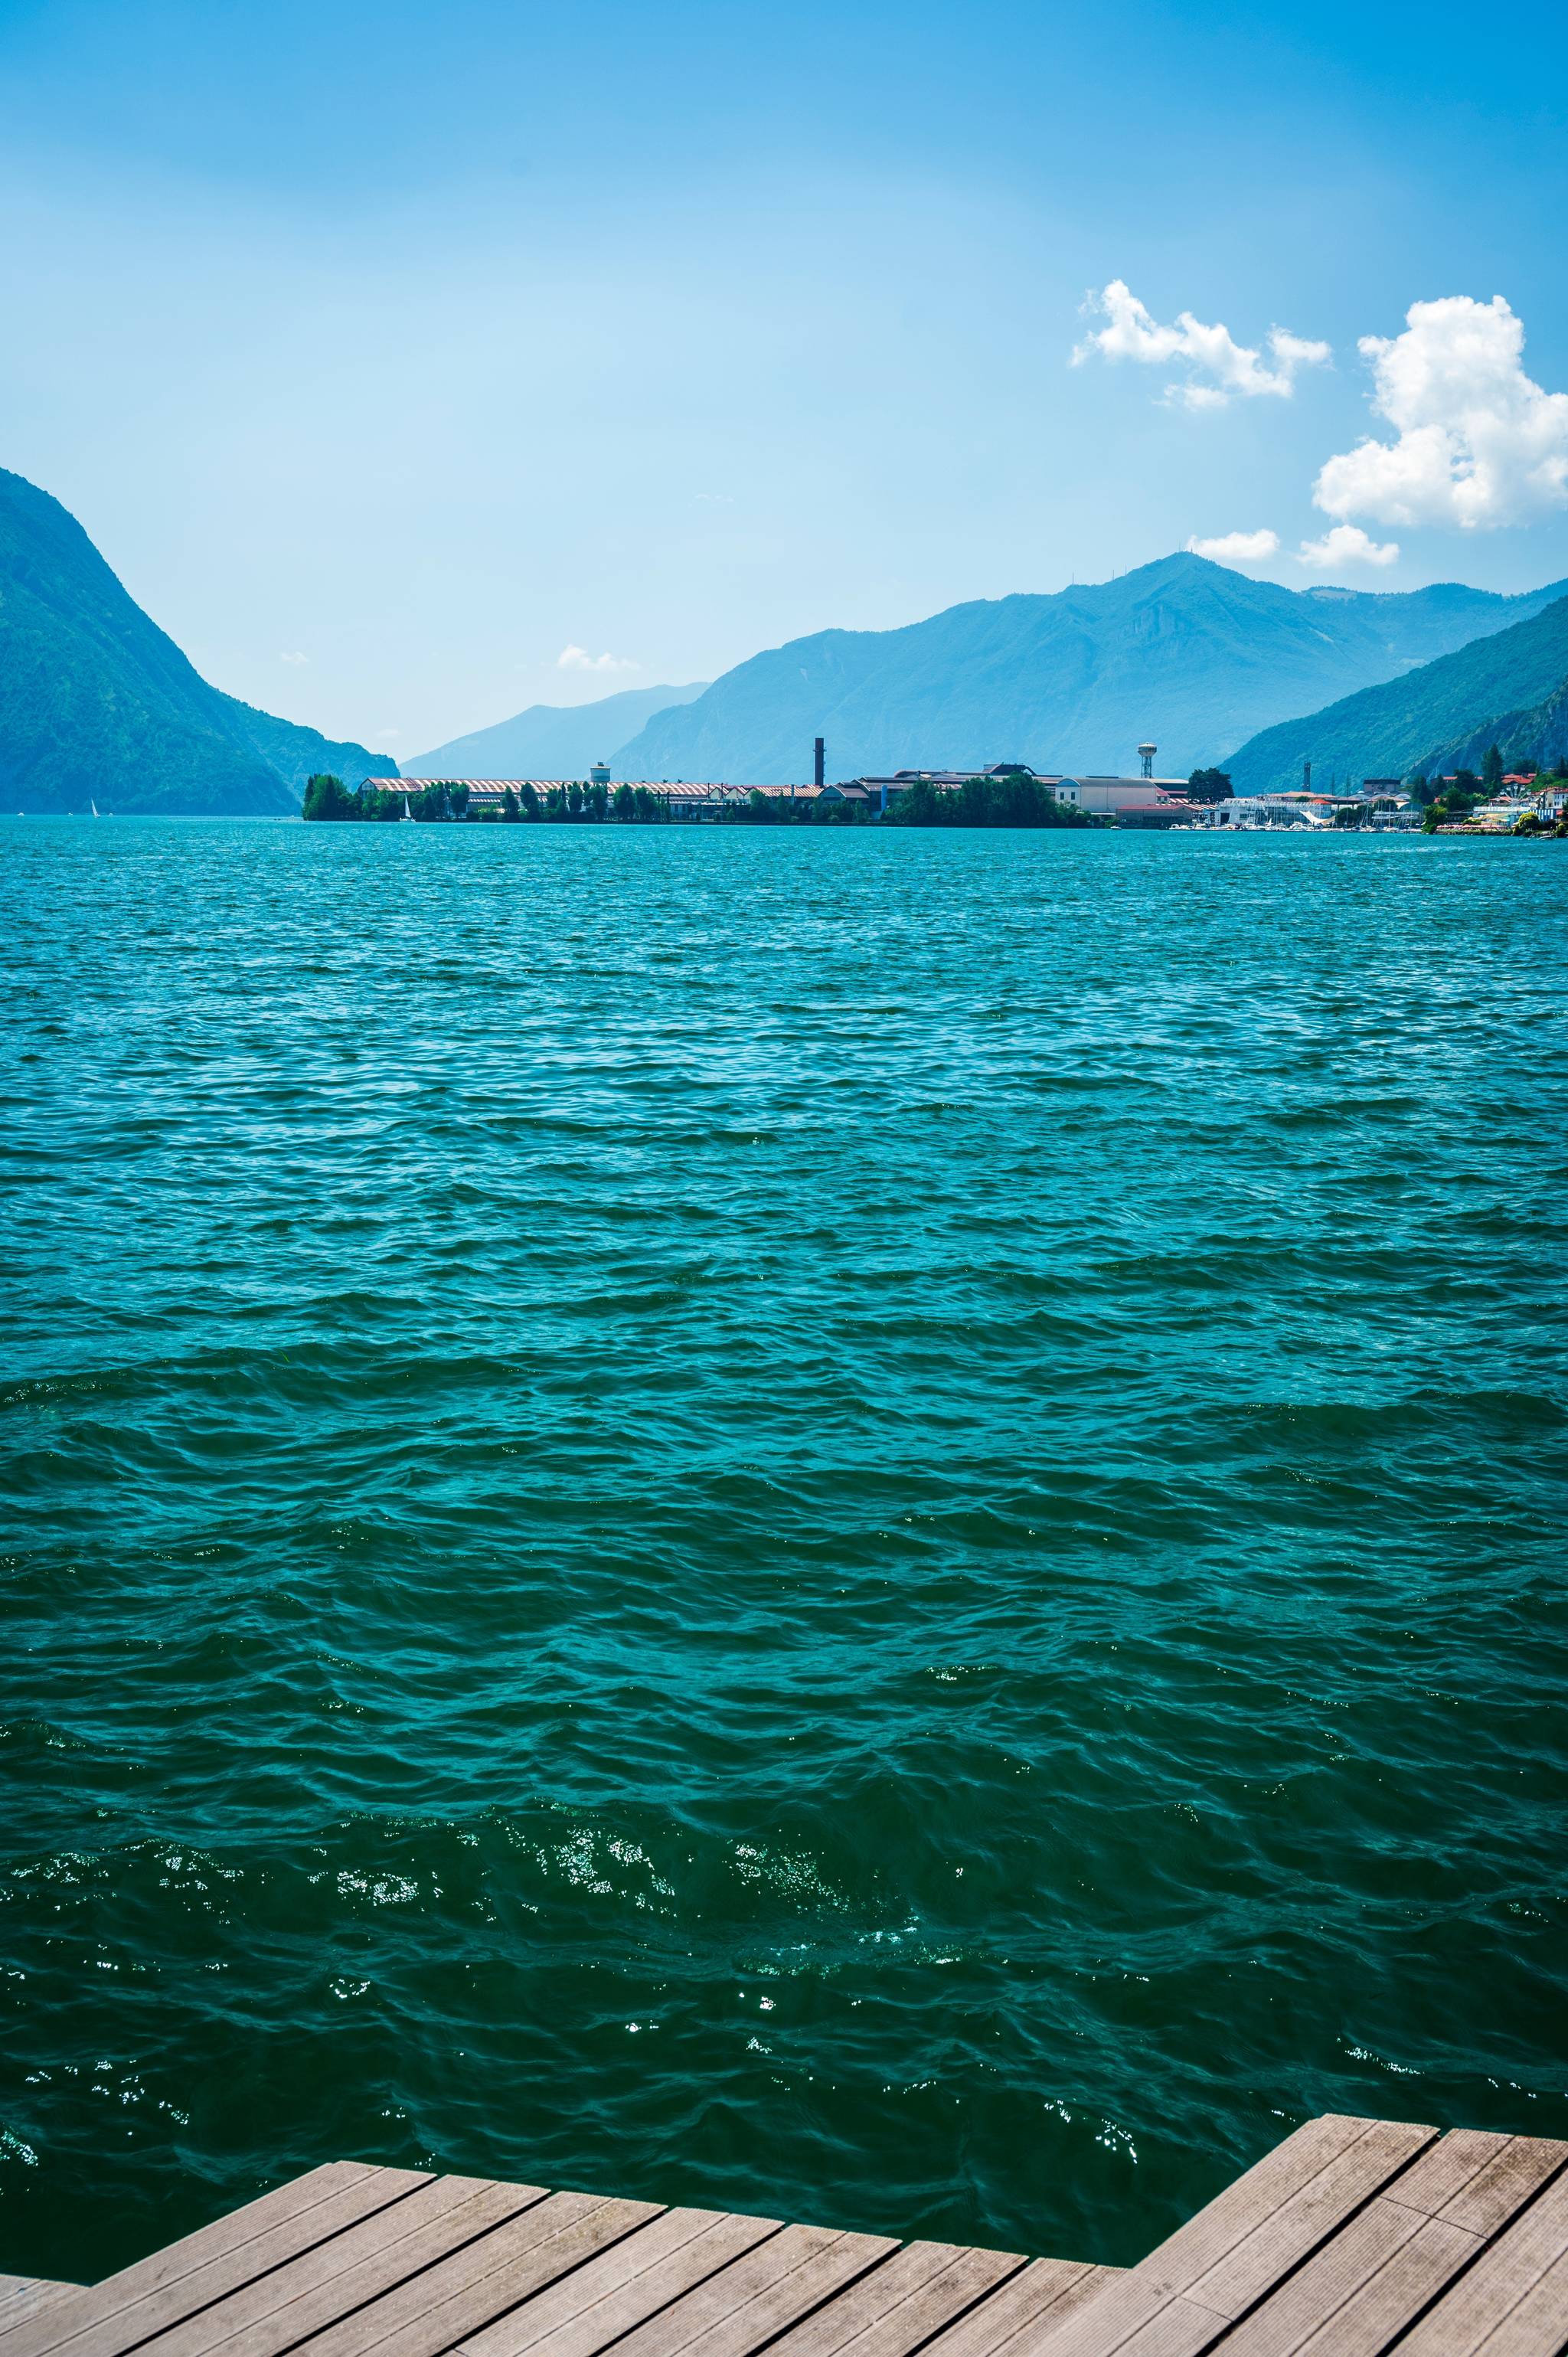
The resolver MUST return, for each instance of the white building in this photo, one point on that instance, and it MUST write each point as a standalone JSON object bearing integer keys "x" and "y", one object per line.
{"x": 1110, "y": 797}
{"x": 1251, "y": 813}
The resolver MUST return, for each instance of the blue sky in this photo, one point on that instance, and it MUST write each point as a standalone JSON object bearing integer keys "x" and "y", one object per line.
{"x": 390, "y": 353}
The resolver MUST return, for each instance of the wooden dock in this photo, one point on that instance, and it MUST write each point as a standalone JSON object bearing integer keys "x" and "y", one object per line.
{"x": 1352, "y": 2238}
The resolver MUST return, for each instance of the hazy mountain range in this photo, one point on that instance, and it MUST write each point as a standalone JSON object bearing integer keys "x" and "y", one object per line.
{"x": 551, "y": 740}
{"x": 1501, "y": 689}
{"x": 1182, "y": 652}
{"x": 96, "y": 703}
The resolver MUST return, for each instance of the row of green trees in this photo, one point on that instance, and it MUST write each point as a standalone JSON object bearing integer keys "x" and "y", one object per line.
{"x": 1013, "y": 799}
{"x": 443, "y": 801}
{"x": 778, "y": 810}
{"x": 327, "y": 797}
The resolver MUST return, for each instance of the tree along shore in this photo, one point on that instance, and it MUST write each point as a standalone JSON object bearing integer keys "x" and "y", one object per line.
{"x": 1015, "y": 798}
{"x": 441, "y": 801}
{"x": 1448, "y": 801}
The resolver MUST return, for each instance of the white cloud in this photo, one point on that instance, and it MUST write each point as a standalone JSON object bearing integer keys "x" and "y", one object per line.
{"x": 385, "y": 735}
{"x": 1237, "y": 547}
{"x": 1211, "y": 353}
{"x": 1479, "y": 443}
{"x": 294, "y": 659}
{"x": 1346, "y": 543}
{"x": 579, "y": 659}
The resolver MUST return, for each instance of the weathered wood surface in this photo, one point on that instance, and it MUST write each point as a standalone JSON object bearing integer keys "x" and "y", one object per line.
{"x": 20, "y": 2295}
{"x": 1353, "y": 2238}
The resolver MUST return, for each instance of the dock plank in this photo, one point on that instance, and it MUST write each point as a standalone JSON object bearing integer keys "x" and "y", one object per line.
{"x": 872, "y": 2300}
{"x": 1319, "y": 2211}
{"x": 335, "y": 2279}
{"x": 1362, "y": 2288}
{"x": 1378, "y": 2312}
{"x": 107, "y": 2318}
{"x": 622, "y": 2289}
{"x": 968, "y": 2276}
{"x": 1244, "y": 2240}
{"x": 1538, "y": 2325}
{"x": 1287, "y": 2319}
{"x": 1052, "y": 2287}
{"x": 1491, "y": 2202}
{"x": 23, "y": 2295}
{"x": 756, "y": 2300}
{"x": 1477, "y": 2308}
{"x": 1381, "y": 2252}
{"x": 433, "y": 2312}
{"x": 1485, "y": 2207}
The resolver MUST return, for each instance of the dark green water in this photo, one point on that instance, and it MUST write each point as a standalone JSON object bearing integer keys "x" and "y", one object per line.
{"x": 865, "y": 1526}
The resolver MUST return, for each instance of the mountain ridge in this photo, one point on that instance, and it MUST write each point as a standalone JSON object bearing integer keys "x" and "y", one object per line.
{"x": 551, "y": 740}
{"x": 1182, "y": 652}
{"x": 1441, "y": 717}
{"x": 1535, "y": 733}
{"x": 98, "y": 705}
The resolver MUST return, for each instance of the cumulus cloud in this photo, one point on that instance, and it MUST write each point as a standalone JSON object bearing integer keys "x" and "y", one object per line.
{"x": 1237, "y": 547}
{"x": 1220, "y": 366}
{"x": 1477, "y": 442}
{"x": 294, "y": 659}
{"x": 579, "y": 659}
{"x": 1346, "y": 543}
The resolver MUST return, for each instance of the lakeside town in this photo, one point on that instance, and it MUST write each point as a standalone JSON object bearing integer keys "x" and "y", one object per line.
{"x": 1493, "y": 801}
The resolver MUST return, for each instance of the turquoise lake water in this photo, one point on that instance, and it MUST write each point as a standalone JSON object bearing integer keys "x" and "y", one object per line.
{"x": 863, "y": 1526}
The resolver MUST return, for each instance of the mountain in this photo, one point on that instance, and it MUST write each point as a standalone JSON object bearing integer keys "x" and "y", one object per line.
{"x": 1536, "y": 733}
{"x": 1460, "y": 704}
{"x": 551, "y": 740}
{"x": 96, "y": 703}
{"x": 1184, "y": 652}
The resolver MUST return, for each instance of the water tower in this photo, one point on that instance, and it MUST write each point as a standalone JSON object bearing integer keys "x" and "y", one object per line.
{"x": 600, "y": 775}
{"x": 1146, "y": 757}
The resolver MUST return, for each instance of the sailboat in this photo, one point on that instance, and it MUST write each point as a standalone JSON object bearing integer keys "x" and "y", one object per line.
{"x": 408, "y": 814}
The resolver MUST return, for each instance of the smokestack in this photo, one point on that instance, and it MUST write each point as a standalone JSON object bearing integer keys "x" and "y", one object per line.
{"x": 818, "y": 763}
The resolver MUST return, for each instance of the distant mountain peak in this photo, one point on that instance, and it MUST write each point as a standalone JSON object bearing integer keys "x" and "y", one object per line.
{"x": 551, "y": 740}
{"x": 1181, "y": 652}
